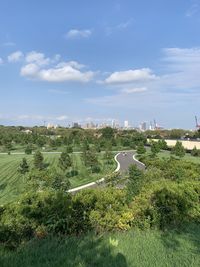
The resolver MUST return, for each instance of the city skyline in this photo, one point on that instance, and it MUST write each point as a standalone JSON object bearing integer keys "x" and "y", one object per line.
{"x": 71, "y": 61}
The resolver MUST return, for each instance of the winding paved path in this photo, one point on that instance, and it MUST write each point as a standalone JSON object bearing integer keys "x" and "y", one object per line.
{"x": 124, "y": 160}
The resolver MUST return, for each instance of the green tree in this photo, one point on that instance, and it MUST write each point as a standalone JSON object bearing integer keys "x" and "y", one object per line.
{"x": 155, "y": 148}
{"x": 108, "y": 133}
{"x": 178, "y": 150}
{"x": 28, "y": 149}
{"x": 69, "y": 149}
{"x": 65, "y": 161}
{"x": 163, "y": 144}
{"x": 90, "y": 160}
{"x": 113, "y": 179}
{"x": 141, "y": 149}
{"x": 195, "y": 152}
{"x": 135, "y": 181}
{"x": 38, "y": 160}
{"x": 23, "y": 167}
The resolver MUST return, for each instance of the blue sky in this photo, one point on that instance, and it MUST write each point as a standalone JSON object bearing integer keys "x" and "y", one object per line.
{"x": 64, "y": 61}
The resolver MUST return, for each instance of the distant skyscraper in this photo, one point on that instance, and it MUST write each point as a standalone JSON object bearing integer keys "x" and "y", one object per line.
{"x": 126, "y": 125}
{"x": 143, "y": 126}
{"x": 113, "y": 124}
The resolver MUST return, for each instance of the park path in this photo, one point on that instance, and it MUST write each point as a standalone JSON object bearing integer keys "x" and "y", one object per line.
{"x": 124, "y": 160}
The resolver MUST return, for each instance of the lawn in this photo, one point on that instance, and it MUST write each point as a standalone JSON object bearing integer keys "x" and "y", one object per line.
{"x": 167, "y": 154}
{"x": 12, "y": 183}
{"x": 151, "y": 248}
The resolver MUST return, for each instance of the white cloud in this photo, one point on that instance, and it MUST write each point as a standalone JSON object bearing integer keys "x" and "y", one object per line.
{"x": 15, "y": 57}
{"x": 128, "y": 76}
{"x": 179, "y": 81}
{"x": 1, "y": 61}
{"x": 30, "y": 70}
{"x": 134, "y": 90}
{"x": 182, "y": 55}
{"x": 182, "y": 68}
{"x": 64, "y": 71}
{"x": 37, "y": 58}
{"x": 75, "y": 33}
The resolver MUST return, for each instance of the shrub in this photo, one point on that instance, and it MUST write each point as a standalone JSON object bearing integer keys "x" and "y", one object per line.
{"x": 167, "y": 204}
{"x": 36, "y": 214}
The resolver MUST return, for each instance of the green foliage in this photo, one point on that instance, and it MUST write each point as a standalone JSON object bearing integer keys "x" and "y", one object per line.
{"x": 23, "y": 167}
{"x": 90, "y": 160}
{"x": 173, "y": 169}
{"x": 154, "y": 248}
{"x": 195, "y": 152}
{"x": 49, "y": 211}
{"x": 108, "y": 156}
{"x": 155, "y": 148}
{"x": 38, "y": 160}
{"x": 135, "y": 182}
{"x": 167, "y": 204}
{"x": 103, "y": 209}
{"x": 162, "y": 144}
{"x": 141, "y": 149}
{"x": 113, "y": 179}
{"x": 50, "y": 179}
{"x": 178, "y": 150}
{"x": 65, "y": 161}
{"x": 28, "y": 149}
{"x": 108, "y": 133}
{"x": 69, "y": 149}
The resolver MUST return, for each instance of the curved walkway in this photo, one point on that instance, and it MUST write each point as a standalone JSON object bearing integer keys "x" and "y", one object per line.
{"x": 124, "y": 160}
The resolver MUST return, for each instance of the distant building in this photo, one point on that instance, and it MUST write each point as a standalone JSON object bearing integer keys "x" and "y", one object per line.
{"x": 143, "y": 126}
{"x": 126, "y": 124}
{"x": 90, "y": 125}
{"x": 51, "y": 126}
{"x": 76, "y": 125}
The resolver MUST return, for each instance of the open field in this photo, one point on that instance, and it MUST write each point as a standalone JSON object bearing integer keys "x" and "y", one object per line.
{"x": 167, "y": 154}
{"x": 186, "y": 143}
{"x": 12, "y": 183}
{"x": 144, "y": 249}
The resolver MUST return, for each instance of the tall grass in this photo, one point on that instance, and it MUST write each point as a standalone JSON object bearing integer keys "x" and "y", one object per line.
{"x": 142, "y": 249}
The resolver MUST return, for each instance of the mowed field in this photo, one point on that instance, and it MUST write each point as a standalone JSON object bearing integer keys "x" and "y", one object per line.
{"x": 167, "y": 154}
{"x": 12, "y": 183}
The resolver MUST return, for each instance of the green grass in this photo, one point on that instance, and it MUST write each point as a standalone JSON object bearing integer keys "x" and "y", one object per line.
{"x": 167, "y": 154}
{"x": 12, "y": 184}
{"x": 131, "y": 249}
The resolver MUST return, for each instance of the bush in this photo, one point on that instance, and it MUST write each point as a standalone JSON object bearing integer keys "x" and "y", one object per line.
{"x": 95, "y": 169}
{"x": 101, "y": 210}
{"x": 167, "y": 204}
{"x": 36, "y": 214}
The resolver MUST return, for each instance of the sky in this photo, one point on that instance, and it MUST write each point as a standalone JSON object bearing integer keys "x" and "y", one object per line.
{"x": 64, "y": 61}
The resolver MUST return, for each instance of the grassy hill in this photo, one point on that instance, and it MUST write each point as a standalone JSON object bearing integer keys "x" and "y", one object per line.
{"x": 12, "y": 183}
{"x": 151, "y": 248}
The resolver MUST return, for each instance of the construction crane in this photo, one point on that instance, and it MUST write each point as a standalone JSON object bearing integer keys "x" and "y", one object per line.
{"x": 197, "y": 124}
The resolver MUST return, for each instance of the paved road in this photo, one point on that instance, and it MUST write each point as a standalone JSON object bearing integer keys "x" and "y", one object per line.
{"x": 126, "y": 159}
